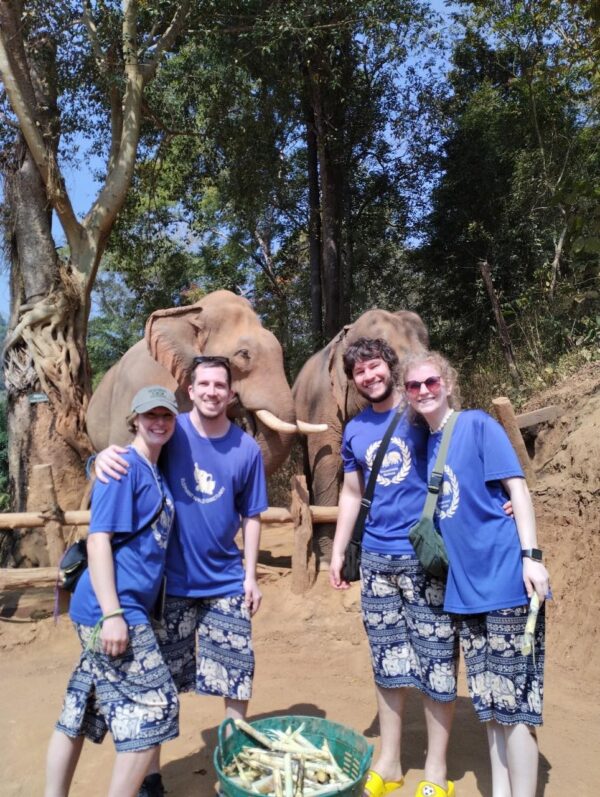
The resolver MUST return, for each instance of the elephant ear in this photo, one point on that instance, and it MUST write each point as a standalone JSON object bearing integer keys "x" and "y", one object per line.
{"x": 174, "y": 336}
{"x": 338, "y": 379}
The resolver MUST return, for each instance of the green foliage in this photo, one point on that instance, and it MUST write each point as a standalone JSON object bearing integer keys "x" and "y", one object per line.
{"x": 116, "y": 323}
{"x": 519, "y": 169}
{"x": 225, "y": 176}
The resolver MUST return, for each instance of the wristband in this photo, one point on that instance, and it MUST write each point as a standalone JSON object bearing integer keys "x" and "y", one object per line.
{"x": 93, "y": 640}
{"x": 111, "y": 614}
{"x": 532, "y": 553}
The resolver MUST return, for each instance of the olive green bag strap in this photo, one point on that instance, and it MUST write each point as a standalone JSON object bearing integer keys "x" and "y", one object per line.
{"x": 437, "y": 474}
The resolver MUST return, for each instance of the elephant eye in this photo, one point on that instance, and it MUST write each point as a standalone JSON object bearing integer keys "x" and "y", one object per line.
{"x": 243, "y": 353}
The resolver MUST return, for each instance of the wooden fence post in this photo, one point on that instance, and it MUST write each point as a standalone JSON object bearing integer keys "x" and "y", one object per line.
{"x": 304, "y": 564}
{"x": 508, "y": 419}
{"x": 42, "y": 486}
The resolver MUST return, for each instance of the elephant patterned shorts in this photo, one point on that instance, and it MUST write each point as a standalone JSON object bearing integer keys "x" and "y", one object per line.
{"x": 413, "y": 641}
{"x": 132, "y": 695}
{"x": 207, "y": 645}
{"x": 504, "y": 685}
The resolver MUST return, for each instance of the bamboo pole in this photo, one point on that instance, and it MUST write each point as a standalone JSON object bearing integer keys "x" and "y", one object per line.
{"x": 81, "y": 517}
{"x": 508, "y": 419}
{"x": 42, "y": 487}
{"x": 26, "y": 577}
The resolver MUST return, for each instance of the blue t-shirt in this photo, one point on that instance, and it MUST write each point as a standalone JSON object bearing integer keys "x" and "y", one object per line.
{"x": 484, "y": 550}
{"x": 122, "y": 507}
{"x": 215, "y": 482}
{"x": 400, "y": 489}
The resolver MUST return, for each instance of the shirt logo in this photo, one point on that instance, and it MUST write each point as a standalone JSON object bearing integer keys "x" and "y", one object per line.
{"x": 449, "y": 499}
{"x": 396, "y": 463}
{"x": 205, "y": 484}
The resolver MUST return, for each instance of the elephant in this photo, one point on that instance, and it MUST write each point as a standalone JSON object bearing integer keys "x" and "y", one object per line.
{"x": 322, "y": 392}
{"x": 221, "y": 323}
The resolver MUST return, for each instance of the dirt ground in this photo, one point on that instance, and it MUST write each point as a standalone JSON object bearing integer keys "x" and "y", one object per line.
{"x": 312, "y": 656}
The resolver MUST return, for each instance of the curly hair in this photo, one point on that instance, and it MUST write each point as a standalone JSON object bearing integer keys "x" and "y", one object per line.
{"x": 364, "y": 349}
{"x": 447, "y": 372}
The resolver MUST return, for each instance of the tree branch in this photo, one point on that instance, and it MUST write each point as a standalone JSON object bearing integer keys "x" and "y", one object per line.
{"x": 103, "y": 212}
{"x": 92, "y": 31}
{"x": 167, "y": 39}
{"x": 20, "y": 93}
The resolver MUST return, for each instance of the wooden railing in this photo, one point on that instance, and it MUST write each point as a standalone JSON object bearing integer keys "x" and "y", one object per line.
{"x": 301, "y": 514}
{"x": 53, "y": 520}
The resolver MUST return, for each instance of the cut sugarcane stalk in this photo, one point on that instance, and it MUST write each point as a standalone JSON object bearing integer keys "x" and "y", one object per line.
{"x": 287, "y": 774}
{"x": 528, "y": 643}
{"x": 257, "y": 735}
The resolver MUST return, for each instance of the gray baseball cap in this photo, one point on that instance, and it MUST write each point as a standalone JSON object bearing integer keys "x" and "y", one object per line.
{"x": 153, "y": 396}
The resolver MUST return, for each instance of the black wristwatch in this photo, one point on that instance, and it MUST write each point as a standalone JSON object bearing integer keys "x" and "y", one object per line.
{"x": 532, "y": 553}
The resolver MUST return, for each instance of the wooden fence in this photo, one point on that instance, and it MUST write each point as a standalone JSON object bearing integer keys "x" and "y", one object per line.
{"x": 302, "y": 515}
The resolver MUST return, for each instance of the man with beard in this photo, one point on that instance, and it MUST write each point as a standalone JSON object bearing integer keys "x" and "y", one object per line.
{"x": 412, "y": 640}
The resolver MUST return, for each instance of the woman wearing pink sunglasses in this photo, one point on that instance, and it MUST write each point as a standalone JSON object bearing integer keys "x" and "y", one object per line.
{"x": 495, "y": 568}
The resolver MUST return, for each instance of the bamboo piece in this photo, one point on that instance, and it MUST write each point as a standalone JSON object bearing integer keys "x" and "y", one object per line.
{"x": 81, "y": 517}
{"x": 42, "y": 486}
{"x": 506, "y": 415}
{"x": 285, "y": 765}
{"x": 26, "y": 577}
{"x": 543, "y": 415}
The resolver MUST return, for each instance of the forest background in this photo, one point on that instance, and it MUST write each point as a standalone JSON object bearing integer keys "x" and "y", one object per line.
{"x": 318, "y": 158}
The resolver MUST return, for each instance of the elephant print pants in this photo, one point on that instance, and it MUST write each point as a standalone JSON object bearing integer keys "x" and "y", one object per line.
{"x": 207, "y": 645}
{"x": 132, "y": 695}
{"x": 413, "y": 641}
{"x": 504, "y": 685}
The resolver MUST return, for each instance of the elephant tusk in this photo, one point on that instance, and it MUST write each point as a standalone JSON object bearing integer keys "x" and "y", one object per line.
{"x": 275, "y": 423}
{"x": 310, "y": 428}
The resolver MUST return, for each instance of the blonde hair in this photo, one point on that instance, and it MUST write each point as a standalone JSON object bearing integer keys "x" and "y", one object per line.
{"x": 447, "y": 372}
{"x": 130, "y": 421}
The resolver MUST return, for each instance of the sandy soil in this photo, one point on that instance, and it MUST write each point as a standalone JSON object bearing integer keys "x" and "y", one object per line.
{"x": 312, "y": 657}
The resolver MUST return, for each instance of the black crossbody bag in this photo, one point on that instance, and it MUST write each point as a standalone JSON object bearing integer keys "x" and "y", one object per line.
{"x": 351, "y": 566}
{"x": 74, "y": 561}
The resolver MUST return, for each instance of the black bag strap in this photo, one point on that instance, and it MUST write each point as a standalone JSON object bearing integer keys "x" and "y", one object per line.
{"x": 437, "y": 474}
{"x": 367, "y": 498}
{"x": 154, "y": 518}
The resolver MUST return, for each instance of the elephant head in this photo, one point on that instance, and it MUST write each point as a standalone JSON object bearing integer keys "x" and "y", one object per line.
{"x": 323, "y": 393}
{"x": 221, "y": 323}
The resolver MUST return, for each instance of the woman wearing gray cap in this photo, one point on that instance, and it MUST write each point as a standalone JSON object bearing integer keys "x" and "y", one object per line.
{"x": 121, "y": 682}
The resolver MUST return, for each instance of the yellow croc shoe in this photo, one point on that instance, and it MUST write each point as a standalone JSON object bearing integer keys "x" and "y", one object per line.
{"x": 428, "y": 789}
{"x": 376, "y": 786}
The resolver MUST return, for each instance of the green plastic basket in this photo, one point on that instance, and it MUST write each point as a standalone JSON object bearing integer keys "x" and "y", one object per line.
{"x": 350, "y": 749}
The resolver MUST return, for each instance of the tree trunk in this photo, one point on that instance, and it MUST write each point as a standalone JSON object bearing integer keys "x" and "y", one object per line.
{"x": 314, "y": 233}
{"x": 45, "y": 365}
{"x": 45, "y": 358}
{"x": 331, "y": 182}
{"x": 503, "y": 332}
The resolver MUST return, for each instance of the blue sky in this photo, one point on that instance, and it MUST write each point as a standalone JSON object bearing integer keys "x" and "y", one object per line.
{"x": 82, "y": 189}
